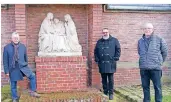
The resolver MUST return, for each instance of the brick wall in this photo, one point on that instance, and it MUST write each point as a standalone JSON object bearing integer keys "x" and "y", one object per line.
{"x": 7, "y": 27}
{"x": 20, "y": 22}
{"x": 127, "y": 28}
{"x": 89, "y": 20}
{"x": 13, "y": 19}
{"x": 94, "y": 29}
{"x": 37, "y": 13}
{"x": 61, "y": 73}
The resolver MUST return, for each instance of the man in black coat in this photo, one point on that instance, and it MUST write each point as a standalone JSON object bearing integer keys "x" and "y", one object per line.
{"x": 107, "y": 52}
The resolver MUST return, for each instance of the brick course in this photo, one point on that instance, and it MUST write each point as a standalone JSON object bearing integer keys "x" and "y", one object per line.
{"x": 37, "y": 13}
{"x": 89, "y": 20}
{"x": 61, "y": 73}
{"x": 7, "y": 27}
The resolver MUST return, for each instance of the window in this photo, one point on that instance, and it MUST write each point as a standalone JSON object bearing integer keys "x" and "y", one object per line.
{"x": 138, "y": 7}
{"x": 4, "y": 6}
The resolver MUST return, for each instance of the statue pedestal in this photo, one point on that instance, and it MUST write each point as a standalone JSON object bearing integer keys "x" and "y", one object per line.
{"x": 43, "y": 54}
{"x": 61, "y": 73}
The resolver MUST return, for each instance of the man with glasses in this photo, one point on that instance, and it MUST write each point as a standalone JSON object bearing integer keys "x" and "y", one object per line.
{"x": 107, "y": 52}
{"x": 152, "y": 50}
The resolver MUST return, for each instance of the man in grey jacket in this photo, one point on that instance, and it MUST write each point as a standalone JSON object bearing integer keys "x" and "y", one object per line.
{"x": 152, "y": 50}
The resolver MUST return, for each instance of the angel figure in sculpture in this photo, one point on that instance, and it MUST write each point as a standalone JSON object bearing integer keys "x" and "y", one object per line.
{"x": 72, "y": 34}
{"x": 46, "y": 34}
{"x": 59, "y": 39}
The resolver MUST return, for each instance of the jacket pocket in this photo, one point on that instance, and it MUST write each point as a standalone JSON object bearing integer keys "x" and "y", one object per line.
{"x": 155, "y": 62}
{"x": 111, "y": 58}
{"x": 22, "y": 64}
{"x": 142, "y": 61}
{"x": 160, "y": 59}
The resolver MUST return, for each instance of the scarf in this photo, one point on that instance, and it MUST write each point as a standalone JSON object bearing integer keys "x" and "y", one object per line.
{"x": 16, "y": 56}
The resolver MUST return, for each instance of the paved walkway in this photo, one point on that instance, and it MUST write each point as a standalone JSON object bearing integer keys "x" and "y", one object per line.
{"x": 135, "y": 93}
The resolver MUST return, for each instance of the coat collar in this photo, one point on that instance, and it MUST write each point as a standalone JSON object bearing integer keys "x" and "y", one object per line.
{"x": 110, "y": 37}
{"x": 12, "y": 44}
{"x": 151, "y": 37}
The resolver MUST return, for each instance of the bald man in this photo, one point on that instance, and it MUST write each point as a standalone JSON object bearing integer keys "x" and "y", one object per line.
{"x": 152, "y": 50}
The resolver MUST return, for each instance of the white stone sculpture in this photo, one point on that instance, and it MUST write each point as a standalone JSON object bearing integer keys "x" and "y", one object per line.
{"x": 72, "y": 34}
{"x": 45, "y": 34}
{"x": 57, "y": 38}
{"x": 60, "y": 43}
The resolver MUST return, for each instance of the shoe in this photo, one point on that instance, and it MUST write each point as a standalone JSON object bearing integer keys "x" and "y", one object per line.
{"x": 111, "y": 97}
{"x": 35, "y": 94}
{"x": 15, "y": 100}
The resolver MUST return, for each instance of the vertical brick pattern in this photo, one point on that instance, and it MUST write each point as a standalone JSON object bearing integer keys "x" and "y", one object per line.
{"x": 95, "y": 28}
{"x": 20, "y": 21}
{"x": 7, "y": 27}
{"x": 90, "y": 32}
{"x": 61, "y": 73}
{"x": 37, "y": 13}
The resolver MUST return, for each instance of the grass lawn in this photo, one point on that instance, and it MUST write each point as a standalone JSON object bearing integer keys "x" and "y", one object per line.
{"x": 165, "y": 99}
{"x": 5, "y": 94}
{"x": 118, "y": 98}
{"x": 6, "y": 97}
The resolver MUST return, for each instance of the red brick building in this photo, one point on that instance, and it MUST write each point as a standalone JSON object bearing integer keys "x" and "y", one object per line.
{"x": 89, "y": 21}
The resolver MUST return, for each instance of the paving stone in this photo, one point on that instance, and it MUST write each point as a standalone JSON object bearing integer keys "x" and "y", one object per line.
{"x": 135, "y": 93}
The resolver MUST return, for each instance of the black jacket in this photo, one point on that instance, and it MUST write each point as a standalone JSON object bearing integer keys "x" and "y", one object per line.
{"x": 106, "y": 53}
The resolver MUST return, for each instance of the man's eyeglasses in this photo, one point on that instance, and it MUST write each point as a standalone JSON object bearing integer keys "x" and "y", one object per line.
{"x": 105, "y": 32}
{"x": 148, "y": 28}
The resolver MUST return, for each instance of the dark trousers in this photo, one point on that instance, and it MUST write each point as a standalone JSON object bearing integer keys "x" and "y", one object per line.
{"x": 107, "y": 82}
{"x": 155, "y": 76}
